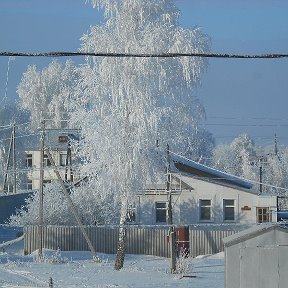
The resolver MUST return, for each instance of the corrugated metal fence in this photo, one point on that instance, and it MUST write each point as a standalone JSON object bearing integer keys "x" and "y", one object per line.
{"x": 140, "y": 240}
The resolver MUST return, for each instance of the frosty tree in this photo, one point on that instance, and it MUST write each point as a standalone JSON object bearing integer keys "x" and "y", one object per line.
{"x": 243, "y": 158}
{"x": 233, "y": 158}
{"x": 45, "y": 93}
{"x": 125, "y": 105}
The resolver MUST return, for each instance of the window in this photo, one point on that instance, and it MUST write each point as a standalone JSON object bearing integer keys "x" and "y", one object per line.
{"x": 46, "y": 161}
{"x": 229, "y": 210}
{"x": 63, "y": 157}
{"x": 46, "y": 182}
{"x": 29, "y": 162}
{"x": 205, "y": 210}
{"x": 63, "y": 139}
{"x": 29, "y": 185}
{"x": 131, "y": 215}
{"x": 161, "y": 212}
{"x": 263, "y": 214}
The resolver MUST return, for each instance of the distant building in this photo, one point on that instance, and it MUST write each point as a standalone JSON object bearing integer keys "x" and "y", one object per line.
{"x": 59, "y": 142}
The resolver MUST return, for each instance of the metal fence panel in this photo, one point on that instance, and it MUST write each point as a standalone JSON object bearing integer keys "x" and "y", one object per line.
{"x": 203, "y": 242}
{"x": 140, "y": 239}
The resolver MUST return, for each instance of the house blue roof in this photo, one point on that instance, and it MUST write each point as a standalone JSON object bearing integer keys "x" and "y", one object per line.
{"x": 183, "y": 164}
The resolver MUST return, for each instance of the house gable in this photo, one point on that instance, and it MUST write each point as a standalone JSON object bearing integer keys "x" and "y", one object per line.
{"x": 205, "y": 172}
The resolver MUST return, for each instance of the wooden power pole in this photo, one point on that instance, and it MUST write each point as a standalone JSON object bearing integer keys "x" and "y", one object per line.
{"x": 172, "y": 233}
{"x": 41, "y": 193}
{"x": 14, "y": 160}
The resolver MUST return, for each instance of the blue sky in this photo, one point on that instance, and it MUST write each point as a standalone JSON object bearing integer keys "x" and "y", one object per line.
{"x": 238, "y": 95}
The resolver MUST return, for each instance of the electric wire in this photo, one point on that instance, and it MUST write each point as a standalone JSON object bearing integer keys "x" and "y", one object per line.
{"x": 247, "y": 118}
{"x": 26, "y": 135}
{"x": 143, "y": 55}
{"x": 244, "y": 125}
{"x": 9, "y": 126}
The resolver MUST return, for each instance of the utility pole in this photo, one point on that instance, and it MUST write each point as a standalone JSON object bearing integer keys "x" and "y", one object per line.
{"x": 5, "y": 186}
{"x": 260, "y": 177}
{"x": 168, "y": 188}
{"x": 41, "y": 196}
{"x": 14, "y": 160}
{"x": 172, "y": 233}
{"x": 68, "y": 163}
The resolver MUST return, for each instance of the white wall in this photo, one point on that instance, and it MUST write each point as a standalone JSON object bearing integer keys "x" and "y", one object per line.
{"x": 186, "y": 204}
{"x": 49, "y": 174}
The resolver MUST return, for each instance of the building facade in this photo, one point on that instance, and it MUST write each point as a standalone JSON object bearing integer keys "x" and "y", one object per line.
{"x": 60, "y": 144}
{"x": 202, "y": 195}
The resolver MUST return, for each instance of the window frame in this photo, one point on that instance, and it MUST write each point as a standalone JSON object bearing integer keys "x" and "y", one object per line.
{"x": 46, "y": 161}
{"x": 159, "y": 210}
{"x": 229, "y": 206}
{"x": 29, "y": 185}
{"x": 29, "y": 160}
{"x": 262, "y": 215}
{"x": 62, "y": 156}
{"x": 201, "y": 207}
{"x": 131, "y": 215}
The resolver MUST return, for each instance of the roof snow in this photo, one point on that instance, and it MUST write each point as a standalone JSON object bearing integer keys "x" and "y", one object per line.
{"x": 186, "y": 165}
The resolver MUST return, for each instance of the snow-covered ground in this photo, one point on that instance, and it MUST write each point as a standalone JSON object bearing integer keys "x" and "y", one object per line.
{"x": 77, "y": 269}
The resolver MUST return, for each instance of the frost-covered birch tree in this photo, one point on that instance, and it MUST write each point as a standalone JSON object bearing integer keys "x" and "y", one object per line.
{"x": 45, "y": 93}
{"x": 125, "y": 105}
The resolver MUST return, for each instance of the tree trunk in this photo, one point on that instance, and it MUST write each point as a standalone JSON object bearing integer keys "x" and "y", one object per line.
{"x": 119, "y": 261}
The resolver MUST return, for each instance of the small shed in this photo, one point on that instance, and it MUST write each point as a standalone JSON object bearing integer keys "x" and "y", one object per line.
{"x": 257, "y": 257}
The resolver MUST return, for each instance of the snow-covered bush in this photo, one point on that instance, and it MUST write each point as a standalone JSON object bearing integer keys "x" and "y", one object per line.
{"x": 56, "y": 209}
{"x": 184, "y": 263}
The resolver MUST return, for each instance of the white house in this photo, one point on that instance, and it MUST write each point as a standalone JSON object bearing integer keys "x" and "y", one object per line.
{"x": 204, "y": 195}
{"x": 58, "y": 141}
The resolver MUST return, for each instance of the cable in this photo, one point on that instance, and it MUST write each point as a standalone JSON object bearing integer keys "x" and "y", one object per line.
{"x": 143, "y": 55}
{"x": 247, "y": 118}
{"x": 245, "y": 125}
{"x": 2, "y": 128}
{"x": 27, "y": 135}
{"x": 10, "y": 126}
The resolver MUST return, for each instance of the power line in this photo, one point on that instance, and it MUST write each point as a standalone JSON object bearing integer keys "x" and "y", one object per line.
{"x": 143, "y": 55}
{"x": 251, "y": 136}
{"x": 9, "y": 126}
{"x": 247, "y": 118}
{"x": 27, "y": 135}
{"x": 245, "y": 125}
{"x": 6, "y": 127}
